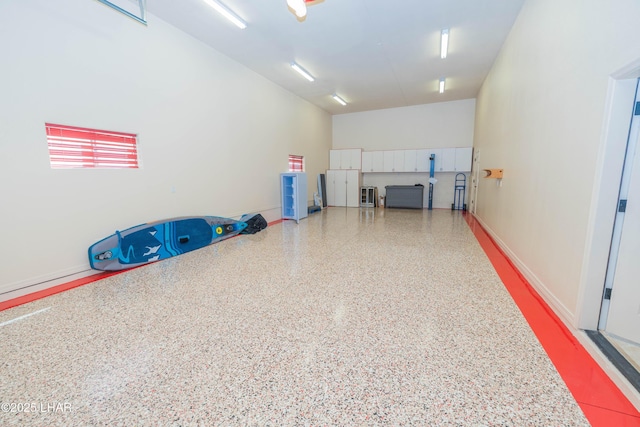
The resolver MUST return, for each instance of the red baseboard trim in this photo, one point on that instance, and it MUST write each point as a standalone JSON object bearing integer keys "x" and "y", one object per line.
{"x": 55, "y": 290}
{"x": 600, "y": 399}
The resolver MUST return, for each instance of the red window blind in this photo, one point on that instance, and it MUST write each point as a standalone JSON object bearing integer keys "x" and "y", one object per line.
{"x": 74, "y": 147}
{"x": 296, "y": 163}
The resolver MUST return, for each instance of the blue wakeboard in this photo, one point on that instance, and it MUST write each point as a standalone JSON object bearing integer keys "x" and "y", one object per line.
{"x": 159, "y": 240}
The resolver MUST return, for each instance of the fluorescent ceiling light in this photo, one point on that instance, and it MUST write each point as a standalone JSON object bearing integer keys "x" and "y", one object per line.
{"x": 227, "y": 13}
{"x": 442, "y": 85}
{"x": 298, "y": 7}
{"x": 302, "y": 71}
{"x": 444, "y": 43}
{"x": 340, "y": 100}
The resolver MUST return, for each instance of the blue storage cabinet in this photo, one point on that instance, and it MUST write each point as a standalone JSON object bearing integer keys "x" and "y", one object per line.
{"x": 293, "y": 189}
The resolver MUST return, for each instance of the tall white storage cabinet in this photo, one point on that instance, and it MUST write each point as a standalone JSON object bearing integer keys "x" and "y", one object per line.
{"x": 293, "y": 189}
{"x": 343, "y": 188}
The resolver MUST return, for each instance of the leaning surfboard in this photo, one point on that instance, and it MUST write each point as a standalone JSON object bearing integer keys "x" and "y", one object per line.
{"x": 159, "y": 240}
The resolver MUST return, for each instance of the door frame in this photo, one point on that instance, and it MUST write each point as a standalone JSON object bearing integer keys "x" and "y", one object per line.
{"x": 617, "y": 118}
{"x": 475, "y": 178}
{"x": 618, "y": 224}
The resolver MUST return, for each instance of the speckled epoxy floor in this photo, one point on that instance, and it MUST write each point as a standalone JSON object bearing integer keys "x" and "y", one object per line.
{"x": 351, "y": 317}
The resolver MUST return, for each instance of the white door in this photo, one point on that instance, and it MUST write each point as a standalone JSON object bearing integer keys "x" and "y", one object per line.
{"x": 367, "y": 161}
{"x": 398, "y": 161}
{"x": 410, "y": 161}
{"x": 463, "y": 159}
{"x": 356, "y": 159}
{"x": 335, "y": 159}
{"x": 345, "y": 159}
{"x": 422, "y": 160}
{"x": 388, "y": 161}
{"x": 340, "y": 188}
{"x": 352, "y": 188}
{"x": 448, "y": 160}
{"x": 623, "y": 317}
{"x": 378, "y": 161}
{"x": 331, "y": 187}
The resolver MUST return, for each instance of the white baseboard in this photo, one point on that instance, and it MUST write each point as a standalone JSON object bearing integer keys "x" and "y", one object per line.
{"x": 556, "y": 305}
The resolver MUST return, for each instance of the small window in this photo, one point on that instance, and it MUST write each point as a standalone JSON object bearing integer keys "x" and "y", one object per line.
{"x": 296, "y": 163}
{"x": 74, "y": 147}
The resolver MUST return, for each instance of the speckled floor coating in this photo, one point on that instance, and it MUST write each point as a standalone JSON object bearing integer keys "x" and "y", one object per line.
{"x": 351, "y": 317}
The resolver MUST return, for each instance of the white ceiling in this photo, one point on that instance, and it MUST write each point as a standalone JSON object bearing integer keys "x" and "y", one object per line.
{"x": 374, "y": 53}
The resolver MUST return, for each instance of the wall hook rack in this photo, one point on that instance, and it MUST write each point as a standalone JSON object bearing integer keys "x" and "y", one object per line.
{"x": 493, "y": 173}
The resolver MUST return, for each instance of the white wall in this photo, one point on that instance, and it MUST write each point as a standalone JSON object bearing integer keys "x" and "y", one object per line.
{"x": 541, "y": 115}
{"x": 208, "y": 127}
{"x": 440, "y": 125}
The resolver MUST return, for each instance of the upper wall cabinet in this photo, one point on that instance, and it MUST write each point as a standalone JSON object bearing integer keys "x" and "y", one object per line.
{"x": 394, "y": 161}
{"x": 437, "y": 161}
{"x": 463, "y": 159}
{"x": 452, "y": 159}
{"x": 445, "y": 160}
{"x": 416, "y": 160}
{"x": 345, "y": 159}
{"x": 373, "y": 161}
{"x": 410, "y": 159}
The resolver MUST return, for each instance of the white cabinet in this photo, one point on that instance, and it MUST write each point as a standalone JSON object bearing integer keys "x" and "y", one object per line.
{"x": 343, "y": 187}
{"x": 437, "y": 163}
{"x": 422, "y": 161}
{"x": 353, "y": 188}
{"x": 388, "y": 161}
{"x": 330, "y": 183}
{"x": 378, "y": 161}
{"x": 452, "y": 159}
{"x": 335, "y": 159}
{"x": 463, "y": 159}
{"x": 339, "y": 188}
{"x": 394, "y": 161}
{"x": 372, "y": 161}
{"x": 355, "y": 159}
{"x": 410, "y": 161}
{"x": 416, "y": 160}
{"x": 398, "y": 161}
{"x": 367, "y": 161}
{"x": 345, "y": 159}
{"x": 447, "y": 160}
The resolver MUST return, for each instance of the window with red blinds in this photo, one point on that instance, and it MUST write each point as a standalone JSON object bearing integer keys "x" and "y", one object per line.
{"x": 74, "y": 147}
{"x": 296, "y": 163}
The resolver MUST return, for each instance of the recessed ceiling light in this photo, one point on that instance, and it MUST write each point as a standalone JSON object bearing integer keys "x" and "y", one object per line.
{"x": 304, "y": 73}
{"x": 222, "y": 10}
{"x": 442, "y": 85}
{"x": 444, "y": 43}
{"x": 338, "y": 99}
